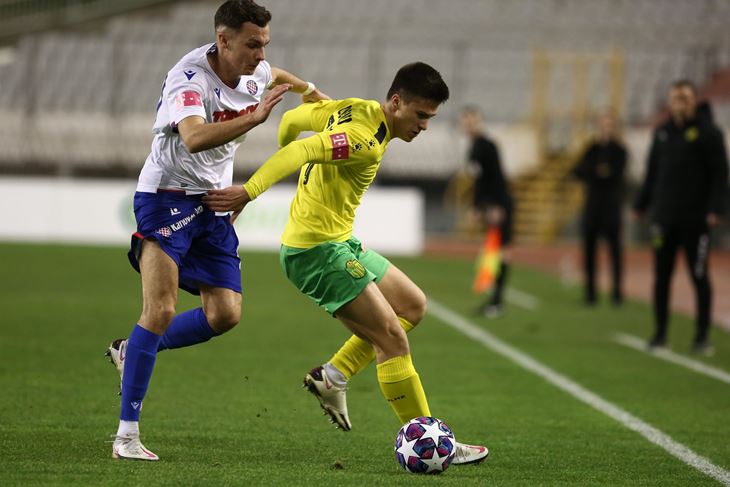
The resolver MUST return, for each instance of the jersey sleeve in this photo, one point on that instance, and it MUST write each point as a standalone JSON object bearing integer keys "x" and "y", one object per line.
{"x": 284, "y": 162}
{"x": 185, "y": 94}
{"x": 320, "y": 148}
{"x": 306, "y": 117}
{"x": 717, "y": 158}
{"x": 643, "y": 200}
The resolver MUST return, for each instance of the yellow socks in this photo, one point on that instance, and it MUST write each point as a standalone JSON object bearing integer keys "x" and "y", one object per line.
{"x": 353, "y": 356}
{"x": 356, "y": 353}
{"x": 397, "y": 377}
{"x": 402, "y": 388}
{"x": 405, "y": 324}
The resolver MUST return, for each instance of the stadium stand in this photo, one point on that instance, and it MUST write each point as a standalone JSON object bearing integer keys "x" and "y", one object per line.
{"x": 74, "y": 90}
{"x": 81, "y": 100}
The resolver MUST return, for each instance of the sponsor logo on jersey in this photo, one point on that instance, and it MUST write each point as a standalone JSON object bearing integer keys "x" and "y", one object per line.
{"x": 188, "y": 99}
{"x": 340, "y": 146}
{"x": 189, "y": 73}
{"x": 252, "y": 87}
{"x": 225, "y": 115}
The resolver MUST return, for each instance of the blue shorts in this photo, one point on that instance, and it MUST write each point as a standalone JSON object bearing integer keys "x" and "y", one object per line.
{"x": 204, "y": 246}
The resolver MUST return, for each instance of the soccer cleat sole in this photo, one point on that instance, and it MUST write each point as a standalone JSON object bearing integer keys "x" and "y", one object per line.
{"x": 117, "y": 456}
{"x": 334, "y": 417}
{"x": 108, "y": 354}
{"x": 474, "y": 462}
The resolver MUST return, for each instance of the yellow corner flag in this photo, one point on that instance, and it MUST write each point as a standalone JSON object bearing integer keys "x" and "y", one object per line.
{"x": 487, "y": 264}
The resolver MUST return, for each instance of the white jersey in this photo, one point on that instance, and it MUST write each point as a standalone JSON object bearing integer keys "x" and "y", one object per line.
{"x": 192, "y": 88}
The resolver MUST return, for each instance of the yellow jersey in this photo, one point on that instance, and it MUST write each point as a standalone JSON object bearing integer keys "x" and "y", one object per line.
{"x": 338, "y": 163}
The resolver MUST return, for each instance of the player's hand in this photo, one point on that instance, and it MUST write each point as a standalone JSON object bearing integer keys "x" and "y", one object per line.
{"x": 314, "y": 96}
{"x": 495, "y": 216}
{"x": 269, "y": 101}
{"x": 232, "y": 198}
{"x": 712, "y": 220}
{"x": 476, "y": 217}
{"x": 603, "y": 170}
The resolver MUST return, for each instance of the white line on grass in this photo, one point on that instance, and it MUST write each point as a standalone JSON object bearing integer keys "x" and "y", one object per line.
{"x": 521, "y": 299}
{"x": 631, "y": 422}
{"x": 640, "y": 345}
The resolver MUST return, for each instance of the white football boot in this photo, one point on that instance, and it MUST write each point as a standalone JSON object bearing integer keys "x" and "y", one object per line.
{"x": 466, "y": 454}
{"x": 332, "y": 398}
{"x": 130, "y": 448}
{"x": 117, "y": 352}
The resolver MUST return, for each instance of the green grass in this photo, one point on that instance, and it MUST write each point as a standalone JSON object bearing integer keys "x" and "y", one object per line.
{"x": 231, "y": 412}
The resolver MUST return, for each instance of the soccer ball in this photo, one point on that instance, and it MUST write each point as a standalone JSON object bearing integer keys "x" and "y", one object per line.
{"x": 425, "y": 445}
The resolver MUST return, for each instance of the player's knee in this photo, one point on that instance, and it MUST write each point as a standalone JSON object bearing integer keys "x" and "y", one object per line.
{"x": 393, "y": 341}
{"x": 415, "y": 308}
{"x": 158, "y": 315}
{"x": 224, "y": 318}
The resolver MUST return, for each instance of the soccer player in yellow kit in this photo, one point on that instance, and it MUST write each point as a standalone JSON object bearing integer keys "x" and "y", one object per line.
{"x": 372, "y": 297}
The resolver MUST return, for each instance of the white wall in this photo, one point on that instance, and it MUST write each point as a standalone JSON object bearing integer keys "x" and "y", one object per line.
{"x": 389, "y": 220}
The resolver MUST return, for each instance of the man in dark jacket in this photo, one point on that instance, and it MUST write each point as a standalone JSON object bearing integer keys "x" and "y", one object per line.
{"x": 684, "y": 190}
{"x": 493, "y": 205}
{"x": 601, "y": 168}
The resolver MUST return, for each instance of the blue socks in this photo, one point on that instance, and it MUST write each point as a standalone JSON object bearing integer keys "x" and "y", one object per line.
{"x": 138, "y": 364}
{"x": 187, "y": 329}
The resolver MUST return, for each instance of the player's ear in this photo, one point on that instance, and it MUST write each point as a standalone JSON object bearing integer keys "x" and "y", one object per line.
{"x": 223, "y": 37}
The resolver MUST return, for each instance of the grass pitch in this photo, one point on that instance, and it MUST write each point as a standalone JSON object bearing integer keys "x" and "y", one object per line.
{"x": 232, "y": 412}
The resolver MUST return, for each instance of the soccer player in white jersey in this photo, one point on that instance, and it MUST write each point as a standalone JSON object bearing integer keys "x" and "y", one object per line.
{"x": 210, "y": 99}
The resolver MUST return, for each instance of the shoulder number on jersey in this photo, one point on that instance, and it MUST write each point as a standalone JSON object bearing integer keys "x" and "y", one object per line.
{"x": 344, "y": 115}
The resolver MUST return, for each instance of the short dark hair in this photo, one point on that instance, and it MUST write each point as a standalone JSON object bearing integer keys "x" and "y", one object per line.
{"x": 234, "y": 13}
{"x": 419, "y": 79}
{"x": 684, "y": 83}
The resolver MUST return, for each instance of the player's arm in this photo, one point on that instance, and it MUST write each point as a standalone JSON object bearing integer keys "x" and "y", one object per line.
{"x": 304, "y": 118}
{"x": 717, "y": 157}
{"x": 197, "y": 135}
{"x": 307, "y": 89}
{"x": 647, "y": 188}
{"x": 582, "y": 169}
{"x": 284, "y": 162}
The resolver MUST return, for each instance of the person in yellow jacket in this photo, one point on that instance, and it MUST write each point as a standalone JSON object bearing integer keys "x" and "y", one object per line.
{"x": 321, "y": 257}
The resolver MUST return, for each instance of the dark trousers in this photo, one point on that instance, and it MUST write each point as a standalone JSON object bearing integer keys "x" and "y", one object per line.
{"x": 695, "y": 240}
{"x": 612, "y": 235}
{"x": 495, "y": 299}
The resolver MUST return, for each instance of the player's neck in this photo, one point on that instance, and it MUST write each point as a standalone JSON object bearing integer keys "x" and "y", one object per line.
{"x": 388, "y": 112}
{"x": 224, "y": 72}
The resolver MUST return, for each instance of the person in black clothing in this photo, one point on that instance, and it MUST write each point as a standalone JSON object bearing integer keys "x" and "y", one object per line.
{"x": 602, "y": 169}
{"x": 684, "y": 189}
{"x": 492, "y": 205}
